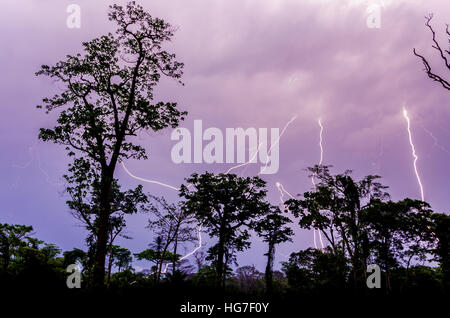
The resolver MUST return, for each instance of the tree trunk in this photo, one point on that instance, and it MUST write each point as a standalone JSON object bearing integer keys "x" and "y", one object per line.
{"x": 161, "y": 262}
{"x": 220, "y": 254}
{"x": 102, "y": 235}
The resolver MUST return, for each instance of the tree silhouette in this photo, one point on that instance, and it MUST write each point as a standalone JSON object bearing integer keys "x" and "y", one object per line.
{"x": 120, "y": 257}
{"x": 272, "y": 228}
{"x": 248, "y": 278}
{"x": 226, "y": 205}
{"x": 158, "y": 256}
{"x": 398, "y": 231}
{"x": 319, "y": 270}
{"x": 335, "y": 209}
{"x": 107, "y": 98}
{"x": 172, "y": 224}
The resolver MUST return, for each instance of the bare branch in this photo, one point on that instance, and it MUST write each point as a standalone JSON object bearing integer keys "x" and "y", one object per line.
{"x": 436, "y": 43}
{"x": 430, "y": 74}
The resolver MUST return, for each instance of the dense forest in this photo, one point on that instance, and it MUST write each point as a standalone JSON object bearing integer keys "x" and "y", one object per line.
{"x": 106, "y": 101}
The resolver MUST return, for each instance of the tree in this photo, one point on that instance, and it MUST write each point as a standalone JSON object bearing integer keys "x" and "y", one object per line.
{"x": 226, "y": 205}
{"x": 398, "y": 231}
{"x": 335, "y": 209}
{"x": 272, "y": 228}
{"x": 158, "y": 257}
{"x": 200, "y": 259}
{"x": 444, "y": 55}
{"x": 26, "y": 261}
{"x": 107, "y": 99}
{"x": 441, "y": 231}
{"x": 120, "y": 257}
{"x": 172, "y": 224}
{"x": 248, "y": 278}
{"x": 74, "y": 256}
{"x": 314, "y": 269}
{"x": 123, "y": 258}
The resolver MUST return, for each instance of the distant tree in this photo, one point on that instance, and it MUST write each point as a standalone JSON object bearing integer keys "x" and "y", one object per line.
{"x": 29, "y": 261}
{"x": 335, "y": 209}
{"x": 120, "y": 257}
{"x": 12, "y": 237}
{"x": 37, "y": 255}
{"x": 443, "y": 54}
{"x": 123, "y": 259}
{"x": 248, "y": 278}
{"x": 172, "y": 224}
{"x": 205, "y": 276}
{"x": 158, "y": 256}
{"x": 274, "y": 230}
{"x": 75, "y": 256}
{"x": 314, "y": 269}
{"x": 226, "y": 205}
{"x": 278, "y": 275}
{"x": 107, "y": 100}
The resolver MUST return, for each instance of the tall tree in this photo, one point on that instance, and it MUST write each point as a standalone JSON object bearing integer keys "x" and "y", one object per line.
{"x": 107, "y": 98}
{"x": 226, "y": 205}
{"x": 444, "y": 55}
{"x": 84, "y": 190}
{"x": 274, "y": 230}
{"x": 118, "y": 256}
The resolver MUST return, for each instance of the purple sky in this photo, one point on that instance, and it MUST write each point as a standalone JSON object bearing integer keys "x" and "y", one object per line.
{"x": 248, "y": 63}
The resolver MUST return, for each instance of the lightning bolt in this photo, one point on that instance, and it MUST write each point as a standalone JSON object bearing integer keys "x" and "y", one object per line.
{"x": 414, "y": 154}
{"x": 282, "y": 191}
{"x": 245, "y": 163}
{"x": 436, "y": 142}
{"x": 314, "y": 182}
{"x": 35, "y": 156}
{"x": 147, "y": 180}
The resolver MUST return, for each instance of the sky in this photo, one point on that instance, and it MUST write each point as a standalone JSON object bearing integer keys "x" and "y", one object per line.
{"x": 248, "y": 63}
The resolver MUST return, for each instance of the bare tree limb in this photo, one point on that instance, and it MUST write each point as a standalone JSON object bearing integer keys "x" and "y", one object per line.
{"x": 430, "y": 74}
{"x": 442, "y": 53}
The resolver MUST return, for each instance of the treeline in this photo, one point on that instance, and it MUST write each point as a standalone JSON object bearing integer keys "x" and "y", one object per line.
{"x": 358, "y": 221}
